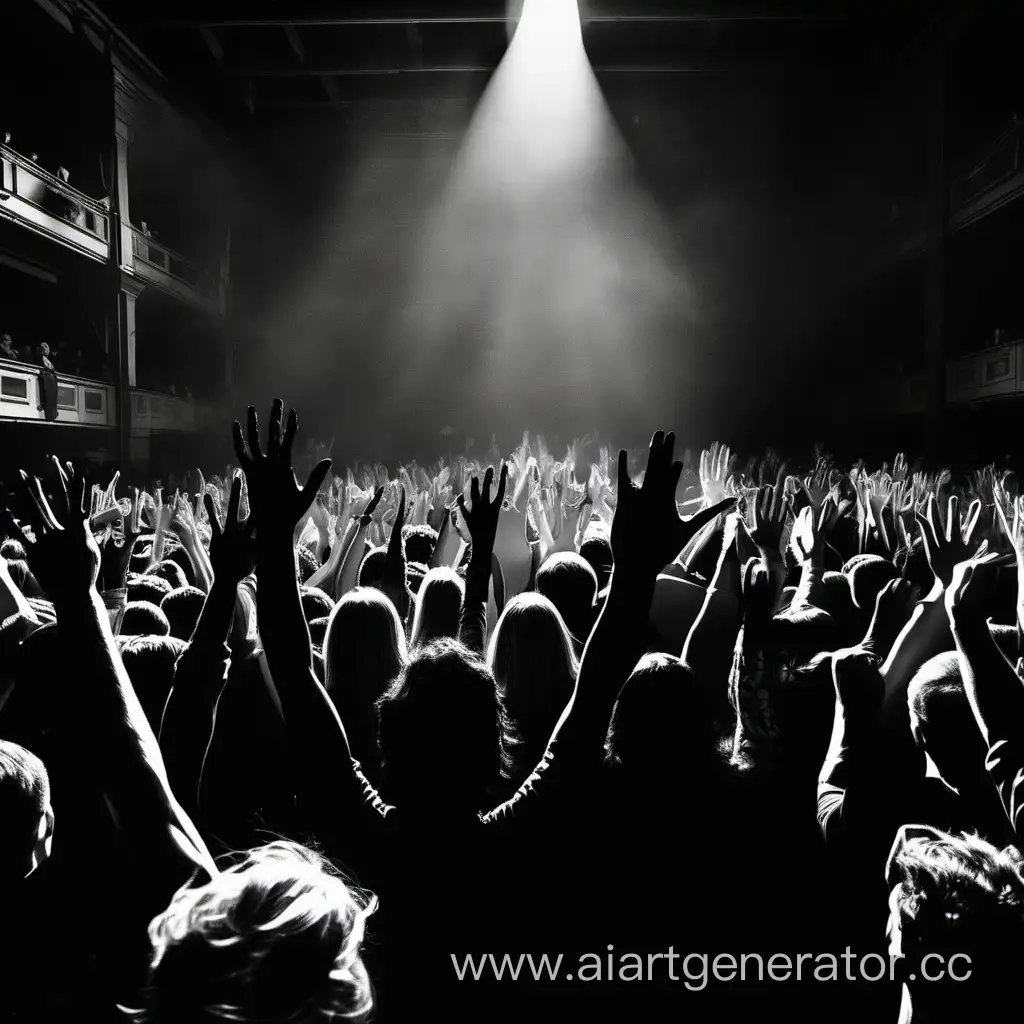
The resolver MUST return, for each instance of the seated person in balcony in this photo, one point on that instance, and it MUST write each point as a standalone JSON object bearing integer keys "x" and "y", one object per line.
{"x": 7, "y": 350}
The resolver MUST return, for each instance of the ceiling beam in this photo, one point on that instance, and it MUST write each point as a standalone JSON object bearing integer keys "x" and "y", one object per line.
{"x": 472, "y": 70}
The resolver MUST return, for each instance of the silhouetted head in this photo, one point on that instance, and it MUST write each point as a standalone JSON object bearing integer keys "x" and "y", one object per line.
{"x": 183, "y": 608}
{"x": 867, "y": 576}
{"x": 275, "y": 939}
{"x": 144, "y": 619}
{"x": 183, "y": 560}
{"x": 438, "y": 606}
{"x": 25, "y": 813}
{"x": 570, "y": 584}
{"x": 419, "y": 543}
{"x": 661, "y": 726}
{"x": 148, "y": 588}
{"x": 371, "y": 569}
{"x": 315, "y": 603}
{"x": 596, "y": 551}
{"x": 961, "y": 899}
{"x": 149, "y": 662}
{"x": 305, "y": 563}
{"x": 170, "y": 571}
{"x": 532, "y": 659}
{"x": 364, "y": 649}
{"x": 444, "y": 709}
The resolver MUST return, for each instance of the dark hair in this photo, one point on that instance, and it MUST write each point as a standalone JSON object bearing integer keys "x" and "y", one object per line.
{"x": 149, "y": 662}
{"x": 868, "y": 574}
{"x": 24, "y": 796}
{"x": 596, "y": 551}
{"x": 183, "y": 608}
{"x": 570, "y": 584}
{"x": 444, "y": 704}
{"x": 12, "y": 550}
{"x": 142, "y": 618}
{"x": 315, "y": 603}
{"x": 661, "y": 719}
{"x": 419, "y": 543}
{"x": 148, "y": 588}
{"x": 183, "y": 560}
{"x": 170, "y": 571}
{"x": 305, "y": 563}
{"x": 371, "y": 569}
{"x": 318, "y": 630}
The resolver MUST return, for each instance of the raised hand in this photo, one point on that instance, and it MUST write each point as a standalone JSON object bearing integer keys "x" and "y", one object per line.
{"x": 232, "y": 548}
{"x": 481, "y": 518}
{"x": 946, "y": 547}
{"x": 276, "y": 500}
{"x": 714, "y": 472}
{"x": 971, "y": 585}
{"x": 64, "y": 556}
{"x": 647, "y": 532}
{"x": 117, "y": 557}
{"x": 394, "y": 583}
{"x": 370, "y": 511}
{"x": 770, "y": 508}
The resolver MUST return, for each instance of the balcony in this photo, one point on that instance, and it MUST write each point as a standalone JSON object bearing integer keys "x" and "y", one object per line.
{"x": 42, "y": 203}
{"x": 80, "y": 402}
{"x": 160, "y": 266}
{"x": 994, "y": 373}
{"x": 153, "y": 413}
{"x": 996, "y": 179}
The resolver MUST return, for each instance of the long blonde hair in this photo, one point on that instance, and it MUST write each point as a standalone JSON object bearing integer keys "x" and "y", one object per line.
{"x": 277, "y": 937}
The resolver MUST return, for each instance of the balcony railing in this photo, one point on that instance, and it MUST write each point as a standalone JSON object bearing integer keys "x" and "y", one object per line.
{"x": 154, "y": 413}
{"x": 80, "y": 402}
{"x": 994, "y": 373}
{"x": 160, "y": 265}
{"x": 43, "y": 203}
{"x": 1000, "y": 164}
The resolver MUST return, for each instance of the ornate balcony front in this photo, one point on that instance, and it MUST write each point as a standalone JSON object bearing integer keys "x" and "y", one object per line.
{"x": 80, "y": 402}
{"x": 48, "y": 206}
{"x": 158, "y": 265}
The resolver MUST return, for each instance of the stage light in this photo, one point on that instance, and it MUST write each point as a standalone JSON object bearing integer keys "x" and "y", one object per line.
{"x": 542, "y": 265}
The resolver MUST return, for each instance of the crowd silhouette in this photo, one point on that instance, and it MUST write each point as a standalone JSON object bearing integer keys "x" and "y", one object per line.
{"x": 288, "y": 748}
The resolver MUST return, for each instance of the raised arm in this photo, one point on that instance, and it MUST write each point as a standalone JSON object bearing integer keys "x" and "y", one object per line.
{"x": 326, "y": 775}
{"x": 993, "y": 688}
{"x": 646, "y": 535}
{"x": 355, "y": 541}
{"x": 202, "y": 670}
{"x": 105, "y": 723}
{"x": 481, "y": 520}
{"x": 709, "y": 646}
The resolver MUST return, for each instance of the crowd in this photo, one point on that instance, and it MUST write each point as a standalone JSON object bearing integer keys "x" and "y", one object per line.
{"x": 292, "y": 749}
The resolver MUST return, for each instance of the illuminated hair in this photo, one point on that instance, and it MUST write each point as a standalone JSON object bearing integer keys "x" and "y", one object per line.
{"x": 958, "y": 891}
{"x": 364, "y": 649}
{"x": 142, "y": 618}
{"x": 183, "y": 608}
{"x": 533, "y": 661}
{"x": 438, "y": 606}
{"x": 276, "y": 938}
{"x": 570, "y": 583}
{"x": 444, "y": 704}
{"x": 419, "y": 542}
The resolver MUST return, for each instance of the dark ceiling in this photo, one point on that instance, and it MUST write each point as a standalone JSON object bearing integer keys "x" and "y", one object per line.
{"x": 260, "y": 60}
